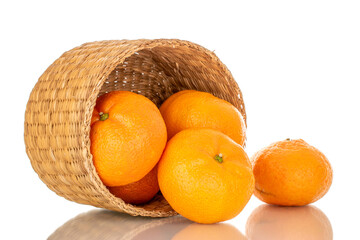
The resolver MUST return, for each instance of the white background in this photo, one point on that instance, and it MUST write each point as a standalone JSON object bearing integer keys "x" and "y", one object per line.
{"x": 296, "y": 62}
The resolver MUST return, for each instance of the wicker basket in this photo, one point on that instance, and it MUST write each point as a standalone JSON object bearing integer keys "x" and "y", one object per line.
{"x": 58, "y": 113}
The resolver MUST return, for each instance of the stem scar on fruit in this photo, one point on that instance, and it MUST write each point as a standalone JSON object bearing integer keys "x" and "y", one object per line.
{"x": 103, "y": 116}
{"x": 219, "y": 158}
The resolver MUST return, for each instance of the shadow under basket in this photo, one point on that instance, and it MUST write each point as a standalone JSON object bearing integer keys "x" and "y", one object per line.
{"x": 58, "y": 113}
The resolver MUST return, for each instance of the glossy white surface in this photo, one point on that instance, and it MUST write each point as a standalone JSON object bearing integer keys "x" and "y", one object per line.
{"x": 297, "y": 63}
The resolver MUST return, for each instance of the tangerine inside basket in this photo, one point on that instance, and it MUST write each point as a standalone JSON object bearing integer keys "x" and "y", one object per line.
{"x": 58, "y": 113}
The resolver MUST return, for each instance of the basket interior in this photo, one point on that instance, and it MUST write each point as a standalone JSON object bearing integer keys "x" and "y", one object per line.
{"x": 159, "y": 72}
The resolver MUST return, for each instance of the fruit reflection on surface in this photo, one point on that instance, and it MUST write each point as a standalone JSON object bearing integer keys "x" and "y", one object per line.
{"x": 217, "y": 231}
{"x": 104, "y": 224}
{"x": 280, "y": 223}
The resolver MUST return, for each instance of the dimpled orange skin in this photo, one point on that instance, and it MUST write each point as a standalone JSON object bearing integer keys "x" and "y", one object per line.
{"x": 129, "y": 143}
{"x": 291, "y": 173}
{"x": 197, "y": 185}
{"x": 138, "y": 192}
{"x": 194, "y": 109}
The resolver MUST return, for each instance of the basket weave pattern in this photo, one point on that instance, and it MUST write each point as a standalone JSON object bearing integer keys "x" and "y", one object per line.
{"x": 58, "y": 113}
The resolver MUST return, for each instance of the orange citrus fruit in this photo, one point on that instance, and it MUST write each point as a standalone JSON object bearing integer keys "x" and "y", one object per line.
{"x": 194, "y": 109}
{"x": 128, "y": 136}
{"x": 283, "y": 223}
{"x": 291, "y": 173}
{"x": 205, "y": 176}
{"x": 138, "y": 192}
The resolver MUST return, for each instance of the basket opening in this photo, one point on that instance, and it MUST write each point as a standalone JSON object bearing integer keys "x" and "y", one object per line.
{"x": 159, "y": 72}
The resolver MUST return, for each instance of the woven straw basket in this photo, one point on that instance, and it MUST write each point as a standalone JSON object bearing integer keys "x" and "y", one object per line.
{"x": 58, "y": 113}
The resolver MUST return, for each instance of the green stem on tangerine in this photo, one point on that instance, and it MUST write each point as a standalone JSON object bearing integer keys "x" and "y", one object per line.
{"x": 219, "y": 158}
{"x": 103, "y": 116}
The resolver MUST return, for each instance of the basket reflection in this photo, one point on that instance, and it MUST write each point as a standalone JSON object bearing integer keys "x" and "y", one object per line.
{"x": 104, "y": 224}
